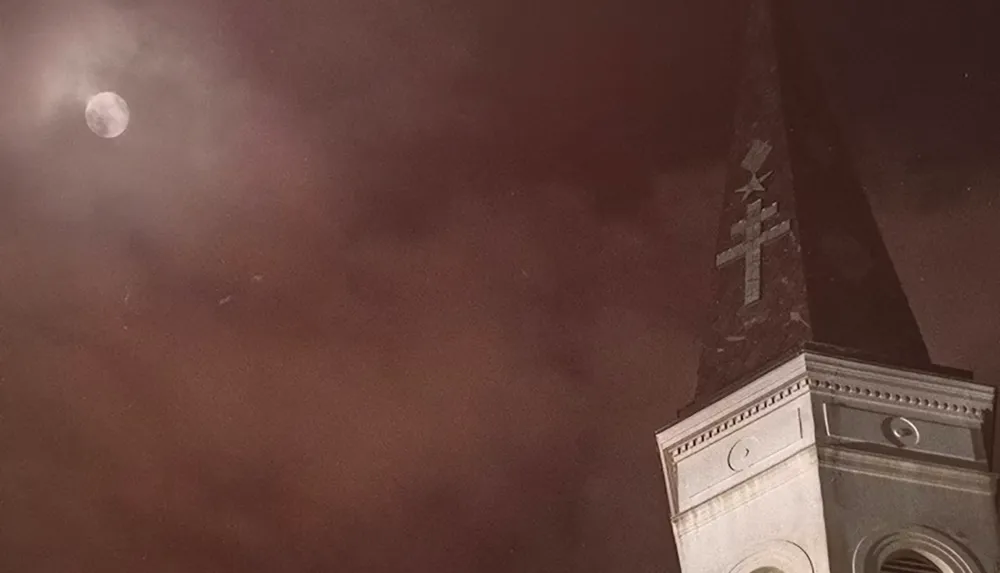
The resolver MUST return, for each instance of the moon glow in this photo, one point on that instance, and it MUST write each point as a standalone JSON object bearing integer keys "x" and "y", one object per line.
{"x": 107, "y": 114}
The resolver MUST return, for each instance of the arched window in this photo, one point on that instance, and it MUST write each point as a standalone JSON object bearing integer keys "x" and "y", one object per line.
{"x": 776, "y": 556}
{"x": 914, "y": 549}
{"x": 908, "y": 561}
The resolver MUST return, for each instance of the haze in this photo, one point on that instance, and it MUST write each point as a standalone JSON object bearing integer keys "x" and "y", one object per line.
{"x": 408, "y": 286}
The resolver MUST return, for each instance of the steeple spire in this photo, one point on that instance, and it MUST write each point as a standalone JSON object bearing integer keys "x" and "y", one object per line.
{"x": 800, "y": 261}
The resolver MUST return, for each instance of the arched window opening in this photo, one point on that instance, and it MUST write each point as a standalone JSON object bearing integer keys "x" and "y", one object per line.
{"x": 908, "y": 561}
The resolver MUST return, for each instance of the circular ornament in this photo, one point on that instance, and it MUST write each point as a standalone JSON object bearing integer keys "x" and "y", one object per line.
{"x": 902, "y": 432}
{"x": 743, "y": 453}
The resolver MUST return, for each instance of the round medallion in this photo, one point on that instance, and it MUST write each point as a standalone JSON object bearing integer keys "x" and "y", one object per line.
{"x": 742, "y": 454}
{"x": 902, "y": 432}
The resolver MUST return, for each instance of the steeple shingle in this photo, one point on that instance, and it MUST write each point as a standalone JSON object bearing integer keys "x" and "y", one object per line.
{"x": 800, "y": 262}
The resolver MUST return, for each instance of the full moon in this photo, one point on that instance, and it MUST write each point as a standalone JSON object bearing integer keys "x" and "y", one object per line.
{"x": 107, "y": 114}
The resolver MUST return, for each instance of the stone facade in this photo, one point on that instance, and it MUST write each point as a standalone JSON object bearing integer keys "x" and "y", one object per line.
{"x": 829, "y": 464}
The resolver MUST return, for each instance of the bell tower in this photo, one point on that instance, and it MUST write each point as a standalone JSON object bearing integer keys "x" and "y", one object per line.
{"x": 821, "y": 438}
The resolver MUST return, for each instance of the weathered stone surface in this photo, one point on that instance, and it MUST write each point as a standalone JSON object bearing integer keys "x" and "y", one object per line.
{"x": 828, "y": 279}
{"x": 826, "y": 464}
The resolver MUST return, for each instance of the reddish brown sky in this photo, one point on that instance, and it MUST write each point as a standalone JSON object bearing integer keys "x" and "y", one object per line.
{"x": 408, "y": 286}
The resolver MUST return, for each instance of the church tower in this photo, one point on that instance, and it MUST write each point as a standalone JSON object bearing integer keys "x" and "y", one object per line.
{"x": 821, "y": 438}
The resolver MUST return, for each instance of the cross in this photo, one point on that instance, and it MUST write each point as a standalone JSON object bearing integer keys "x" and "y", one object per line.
{"x": 750, "y": 248}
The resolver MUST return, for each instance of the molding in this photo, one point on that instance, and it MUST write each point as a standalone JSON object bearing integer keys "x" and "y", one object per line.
{"x": 779, "y": 554}
{"x": 683, "y": 430}
{"x": 670, "y": 474}
{"x": 736, "y": 419}
{"x": 825, "y": 376}
{"x": 948, "y": 554}
{"x": 897, "y": 469}
{"x": 745, "y": 491}
{"x": 923, "y": 382}
{"x": 931, "y": 401}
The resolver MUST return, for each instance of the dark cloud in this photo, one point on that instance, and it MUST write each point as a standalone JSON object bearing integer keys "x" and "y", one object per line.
{"x": 406, "y": 286}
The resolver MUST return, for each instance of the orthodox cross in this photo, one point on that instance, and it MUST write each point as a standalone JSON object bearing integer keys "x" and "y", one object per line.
{"x": 752, "y": 162}
{"x": 750, "y": 248}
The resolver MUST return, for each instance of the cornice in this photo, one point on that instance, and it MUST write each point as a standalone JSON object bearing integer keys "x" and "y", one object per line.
{"x": 739, "y": 418}
{"x": 729, "y": 407}
{"x": 929, "y": 399}
{"x": 823, "y": 375}
{"x": 822, "y": 366}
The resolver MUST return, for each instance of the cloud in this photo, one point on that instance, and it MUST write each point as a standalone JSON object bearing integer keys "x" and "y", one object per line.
{"x": 318, "y": 306}
{"x": 366, "y": 285}
{"x": 429, "y": 386}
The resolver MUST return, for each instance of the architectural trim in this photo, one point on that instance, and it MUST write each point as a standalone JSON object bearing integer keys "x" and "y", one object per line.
{"x": 923, "y": 381}
{"x": 779, "y": 554}
{"x": 895, "y": 468}
{"x": 740, "y": 418}
{"x": 912, "y": 400}
{"x": 745, "y": 492}
{"x": 931, "y": 393}
{"x": 700, "y": 423}
{"x": 948, "y": 554}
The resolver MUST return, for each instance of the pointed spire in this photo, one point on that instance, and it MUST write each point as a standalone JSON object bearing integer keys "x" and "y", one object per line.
{"x": 800, "y": 259}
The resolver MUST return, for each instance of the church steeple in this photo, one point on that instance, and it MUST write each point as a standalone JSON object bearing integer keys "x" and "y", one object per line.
{"x": 821, "y": 439}
{"x": 800, "y": 259}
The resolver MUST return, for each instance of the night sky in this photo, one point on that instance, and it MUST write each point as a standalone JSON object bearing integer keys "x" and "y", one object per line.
{"x": 399, "y": 285}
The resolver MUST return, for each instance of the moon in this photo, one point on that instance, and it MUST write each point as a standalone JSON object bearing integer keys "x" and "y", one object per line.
{"x": 107, "y": 114}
